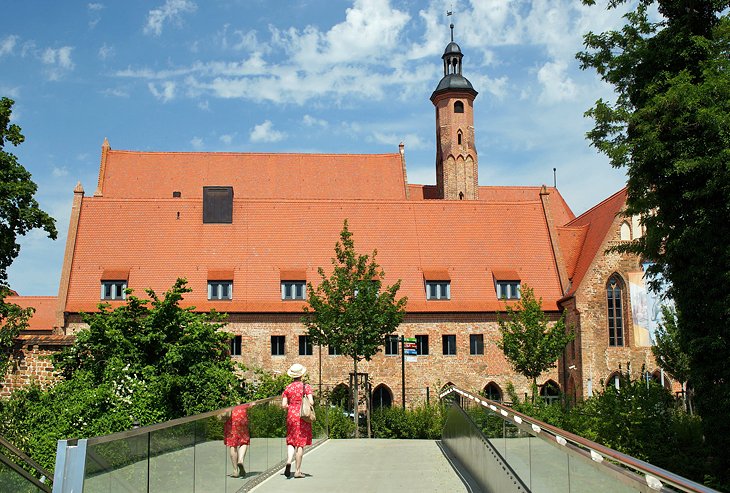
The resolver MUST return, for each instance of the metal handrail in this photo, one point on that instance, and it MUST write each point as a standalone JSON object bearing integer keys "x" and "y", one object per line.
{"x": 25, "y": 474}
{"x": 653, "y": 474}
{"x": 19, "y": 453}
{"x": 167, "y": 424}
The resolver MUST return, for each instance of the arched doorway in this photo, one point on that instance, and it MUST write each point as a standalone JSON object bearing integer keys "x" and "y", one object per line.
{"x": 493, "y": 392}
{"x": 614, "y": 380}
{"x": 665, "y": 381}
{"x": 382, "y": 396}
{"x": 550, "y": 392}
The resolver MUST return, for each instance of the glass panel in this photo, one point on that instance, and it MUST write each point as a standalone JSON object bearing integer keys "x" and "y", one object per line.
{"x": 117, "y": 466}
{"x": 585, "y": 478}
{"x": 10, "y": 480}
{"x": 549, "y": 467}
{"x": 172, "y": 459}
{"x": 517, "y": 451}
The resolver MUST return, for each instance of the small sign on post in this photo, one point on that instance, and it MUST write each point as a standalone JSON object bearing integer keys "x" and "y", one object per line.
{"x": 409, "y": 349}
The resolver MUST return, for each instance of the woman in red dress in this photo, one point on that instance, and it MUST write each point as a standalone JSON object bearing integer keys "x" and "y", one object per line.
{"x": 237, "y": 439}
{"x": 298, "y": 432}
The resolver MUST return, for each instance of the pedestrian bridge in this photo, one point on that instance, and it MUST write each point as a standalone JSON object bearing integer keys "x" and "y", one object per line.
{"x": 486, "y": 446}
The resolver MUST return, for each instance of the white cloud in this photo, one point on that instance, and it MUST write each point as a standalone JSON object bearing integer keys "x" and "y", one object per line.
{"x": 106, "y": 51}
{"x": 226, "y": 139}
{"x": 59, "y": 171}
{"x": 11, "y": 92}
{"x": 204, "y": 105}
{"x": 96, "y": 6}
{"x": 411, "y": 141}
{"x": 197, "y": 143}
{"x": 7, "y": 44}
{"x": 557, "y": 86}
{"x": 94, "y": 14}
{"x": 169, "y": 12}
{"x": 264, "y": 132}
{"x": 115, "y": 92}
{"x": 58, "y": 61}
{"x": 165, "y": 93}
{"x": 311, "y": 121}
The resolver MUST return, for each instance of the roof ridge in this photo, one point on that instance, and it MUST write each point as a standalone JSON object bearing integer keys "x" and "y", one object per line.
{"x": 600, "y": 204}
{"x": 229, "y": 153}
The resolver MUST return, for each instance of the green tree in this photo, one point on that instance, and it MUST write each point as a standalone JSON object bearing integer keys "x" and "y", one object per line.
{"x": 350, "y": 309}
{"x": 19, "y": 211}
{"x": 670, "y": 128}
{"x": 667, "y": 350}
{"x": 161, "y": 361}
{"x": 13, "y": 319}
{"x": 529, "y": 341}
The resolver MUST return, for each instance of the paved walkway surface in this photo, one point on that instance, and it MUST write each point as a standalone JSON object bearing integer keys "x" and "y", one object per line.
{"x": 374, "y": 465}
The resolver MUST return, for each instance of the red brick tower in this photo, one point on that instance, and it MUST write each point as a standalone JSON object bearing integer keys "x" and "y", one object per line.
{"x": 456, "y": 152}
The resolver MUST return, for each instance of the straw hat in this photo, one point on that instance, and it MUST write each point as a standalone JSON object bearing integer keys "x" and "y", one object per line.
{"x": 296, "y": 370}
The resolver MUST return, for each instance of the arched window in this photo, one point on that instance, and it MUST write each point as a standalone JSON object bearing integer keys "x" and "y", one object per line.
{"x": 614, "y": 380}
{"x": 550, "y": 392}
{"x": 625, "y": 231}
{"x": 458, "y": 137}
{"x": 340, "y": 396}
{"x": 458, "y": 107}
{"x": 493, "y": 392}
{"x": 614, "y": 299}
{"x": 382, "y": 396}
{"x": 662, "y": 379}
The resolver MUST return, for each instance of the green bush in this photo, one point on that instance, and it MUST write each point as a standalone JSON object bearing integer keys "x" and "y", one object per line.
{"x": 267, "y": 420}
{"x": 339, "y": 423}
{"x": 422, "y": 422}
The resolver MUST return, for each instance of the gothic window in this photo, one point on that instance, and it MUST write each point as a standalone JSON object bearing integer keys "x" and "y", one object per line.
{"x": 625, "y": 231}
{"x": 382, "y": 396}
{"x": 493, "y": 392}
{"x": 458, "y": 137}
{"x": 614, "y": 299}
{"x": 550, "y": 392}
{"x": 458, "y": 107}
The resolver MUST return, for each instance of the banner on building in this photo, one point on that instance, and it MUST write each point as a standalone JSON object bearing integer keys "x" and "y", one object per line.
{"x": 646, "y": 307}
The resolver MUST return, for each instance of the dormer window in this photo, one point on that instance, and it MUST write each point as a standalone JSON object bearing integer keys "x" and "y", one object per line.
{"x": 438, "y": 290}
{"x": 507, "y": 284}
{"x": 113, "y": 290}
{"x": 220, "y": 290}
{"x": 458, "y": 107}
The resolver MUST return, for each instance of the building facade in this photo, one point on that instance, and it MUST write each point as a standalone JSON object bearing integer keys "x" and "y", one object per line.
{"x": 249, "y": 230}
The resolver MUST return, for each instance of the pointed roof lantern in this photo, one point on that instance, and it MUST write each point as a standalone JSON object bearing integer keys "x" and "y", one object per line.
{"x": 452, "y": 79}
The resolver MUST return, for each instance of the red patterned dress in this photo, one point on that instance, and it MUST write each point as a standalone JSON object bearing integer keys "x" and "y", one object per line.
{"x": 298, "y": 432}
{"x": 236, "y": 428}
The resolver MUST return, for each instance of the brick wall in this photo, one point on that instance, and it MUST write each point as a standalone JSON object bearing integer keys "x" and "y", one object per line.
{"x": 29, "y": 364}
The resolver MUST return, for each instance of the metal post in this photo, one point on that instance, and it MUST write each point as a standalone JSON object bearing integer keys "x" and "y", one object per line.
{"x": 428, "y": 396}
{"x": 403, "y": 369}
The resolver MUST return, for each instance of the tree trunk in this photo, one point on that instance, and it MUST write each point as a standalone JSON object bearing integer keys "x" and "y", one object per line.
{"x": 356, "y": 401}
{"x": 534, "y": 390}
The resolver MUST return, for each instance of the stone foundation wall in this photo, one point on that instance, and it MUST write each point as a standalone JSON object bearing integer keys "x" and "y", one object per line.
{"x": 29, "y": 364}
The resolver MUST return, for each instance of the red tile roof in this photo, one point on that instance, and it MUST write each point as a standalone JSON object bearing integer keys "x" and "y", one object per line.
{"x": 45, "y": 310}
{"x": 585, "y": 236}
{"x": 470, "y": 239}
{"x": 154, "y": 175}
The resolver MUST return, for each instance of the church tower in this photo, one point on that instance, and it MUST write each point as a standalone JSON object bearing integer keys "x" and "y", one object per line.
{"x": 456, "y": 152}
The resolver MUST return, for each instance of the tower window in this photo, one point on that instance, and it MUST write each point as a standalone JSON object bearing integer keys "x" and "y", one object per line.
{"x": 458, "y": 137}
{"x": 458, "y": 107}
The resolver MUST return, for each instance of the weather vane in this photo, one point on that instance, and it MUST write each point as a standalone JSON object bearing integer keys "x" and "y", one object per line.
{"x": 449, "y": 13}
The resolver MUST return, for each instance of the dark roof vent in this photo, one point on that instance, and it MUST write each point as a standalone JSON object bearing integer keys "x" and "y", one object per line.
{"x": 176, "y": 195}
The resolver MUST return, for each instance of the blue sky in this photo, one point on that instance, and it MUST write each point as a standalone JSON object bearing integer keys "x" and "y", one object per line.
{"x": 336, "y": 76}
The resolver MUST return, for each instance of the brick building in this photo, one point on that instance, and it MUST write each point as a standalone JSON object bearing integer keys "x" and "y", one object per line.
{"x": 248, "y": 230}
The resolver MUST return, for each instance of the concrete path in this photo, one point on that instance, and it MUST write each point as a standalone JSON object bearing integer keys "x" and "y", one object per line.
{"x": 374, "y": 465}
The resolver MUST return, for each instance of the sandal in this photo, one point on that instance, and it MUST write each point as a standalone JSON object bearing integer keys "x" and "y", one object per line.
{"x": 287, "y": 470}
{"x": 241, "y": 471}
{"x": 300, "y": 475}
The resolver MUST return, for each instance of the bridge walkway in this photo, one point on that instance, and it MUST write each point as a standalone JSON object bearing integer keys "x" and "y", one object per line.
{"x": 374, "y": 465}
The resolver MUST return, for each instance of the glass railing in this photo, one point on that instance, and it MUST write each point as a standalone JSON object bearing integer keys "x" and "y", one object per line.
{"x": 529, "y": 455}
{"x": 186, "y": 455}
{"x": 19, "y": 473}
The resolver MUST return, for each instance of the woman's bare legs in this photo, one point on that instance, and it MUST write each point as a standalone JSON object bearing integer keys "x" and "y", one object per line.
{"x": 289, "y": 458}
{"x": 233, "y": 454}
{"x": 241, "y": 456}
{"x": 298, "y": 472}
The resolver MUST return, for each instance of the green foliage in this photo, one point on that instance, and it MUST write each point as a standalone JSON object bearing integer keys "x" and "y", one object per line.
{"x": 667, "y": 350}
{"x": 176, "y": 355}
{"x": 422, "y": 422}
{"x": 19, "y": 211}
{"x": 340, "y": 425}
{"x": 531, "y": 344}
{"x": 264, "y": 385}
{"x": 350, "y": 309}
{"x": 267, "y": 420}
{"x": 670, "y": 127}
{"x": 137, "y": 362}
{"x": 13, "y": 319}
